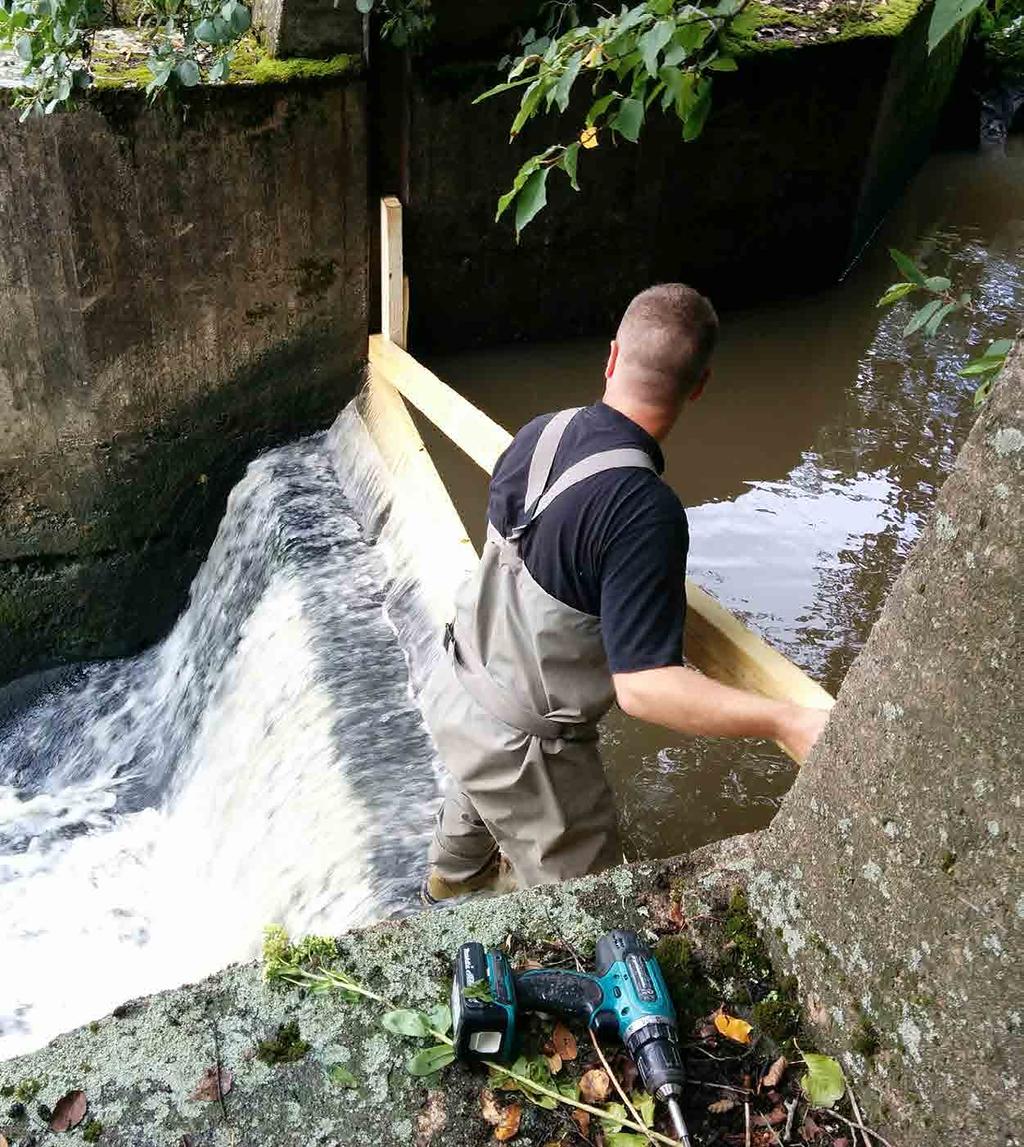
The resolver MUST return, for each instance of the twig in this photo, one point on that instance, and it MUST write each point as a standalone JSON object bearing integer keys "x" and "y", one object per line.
{"x": 850, "y": 1123}
{"x": 618, "y": 1086}
{"x": 216, "y": 1054}
{"x": 791, "y": 1107}
{"x": 746, "y": 1123}
{"x": 860, "y": 1118}
{"x": 724, "y": 1087}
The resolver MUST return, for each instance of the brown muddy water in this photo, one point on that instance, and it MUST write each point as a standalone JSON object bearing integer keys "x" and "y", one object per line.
{"x": 807, "y": 469}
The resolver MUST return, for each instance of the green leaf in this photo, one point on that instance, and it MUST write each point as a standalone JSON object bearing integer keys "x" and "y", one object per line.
{"x": 932, "y": 326}
{"x": 599, "y": 107}
{"x": 999, "y": 349}
{"x": 531, "y": 98}
{"x": 693, "y": 125}
{"x": 895, "y": 292}
{"x": 824, "y": 1083}
{"x": 532, "y": 199}
{"x": 980, "y": 366}
{"x": 613, "y": 1119}
{"x": 341, "y": 1075}
{"x": 938, "y": 283}
{"x": 430, "y": 1059}
{"x": 205, "y": 32}
{"x": 563, "y": 88}
{"x": 908, "y": 268}
{"x": 524, "y": 173}
{"x": 644, "y": 1105}
{"x": 570, "y": 159}
{"x": 240, "y": 19}
{"x": 625, "y": 1139}
{"x": 919, "y": 318}
{"x": 945, "y": 16}
{"x": 23, "y": 46}
{"x": 723, "y": 64}
{"x": 404, "y": 1021}
{"x": 629, "y": 119}
{"x": 440, "y": 1017}
{"x": 652, "y": 42}
{"x": 188, "y": 73}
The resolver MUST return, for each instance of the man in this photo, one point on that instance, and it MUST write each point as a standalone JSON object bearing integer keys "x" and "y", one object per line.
{"x": 577, "y": 602}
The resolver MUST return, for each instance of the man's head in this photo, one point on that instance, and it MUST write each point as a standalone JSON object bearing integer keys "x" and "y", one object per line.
{"x": 661, "y": 354}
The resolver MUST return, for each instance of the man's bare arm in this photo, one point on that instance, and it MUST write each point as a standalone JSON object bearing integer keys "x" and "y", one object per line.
{"x": 687, "y": 701}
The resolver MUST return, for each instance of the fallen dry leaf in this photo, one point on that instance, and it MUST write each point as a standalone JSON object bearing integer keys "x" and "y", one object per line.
{"x": 508, "y": 1128}
{"x": 733, "y": 1028}
{"x": 532, "y": 965}
{"x": 206, "y": 1089}
{"x": 595, "y": 1086}
{"x": 721, "y": 1106}
{"x": 564, "y": 1041}
{"x": 625, "y": 1071}
{"x": 774, "y": 1117}
{"x": 3, "y": 1141}
{"x": 582, "y": 1121}
{"x": 489, "y": 1107}
{"x": 554, "y": 1063}
{"x": 775, "y": 1073}
{"x": 68, "y": 1111}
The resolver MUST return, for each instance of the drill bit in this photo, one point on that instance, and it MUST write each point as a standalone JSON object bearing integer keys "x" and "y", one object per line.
{"x": 678, "y": 1122}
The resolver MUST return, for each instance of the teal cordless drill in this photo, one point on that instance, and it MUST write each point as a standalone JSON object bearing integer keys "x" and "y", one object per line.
{"x": 626, "y": 998}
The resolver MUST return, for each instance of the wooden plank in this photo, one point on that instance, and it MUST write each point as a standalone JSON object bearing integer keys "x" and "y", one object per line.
{"x": 470, "y": 429}
{"x": 433, "y": 535}
{"x": 392, "y": 278}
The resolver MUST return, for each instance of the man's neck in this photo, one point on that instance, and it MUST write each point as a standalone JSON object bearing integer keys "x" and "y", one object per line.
{"x": 655, "y": 422}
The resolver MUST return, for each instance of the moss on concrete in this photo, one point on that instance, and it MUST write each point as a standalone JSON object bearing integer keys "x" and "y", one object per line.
{"x": 834, "y": 24}
{"x": 116, "y": 65}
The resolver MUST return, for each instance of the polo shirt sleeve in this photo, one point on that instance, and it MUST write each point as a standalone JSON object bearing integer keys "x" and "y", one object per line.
{"x": 643, "y": 596}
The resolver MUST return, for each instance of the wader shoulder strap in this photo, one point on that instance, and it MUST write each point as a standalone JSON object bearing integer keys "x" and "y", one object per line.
{"x": 624, "y": 457}
{"x": 544, "y": 456}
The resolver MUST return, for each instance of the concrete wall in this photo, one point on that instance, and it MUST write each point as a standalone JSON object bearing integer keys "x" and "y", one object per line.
{"x": 180, "y": 286}
{"x": 891, "y": 878}
{"x": 805, "y": 149}
{"x": 308, "y": 27}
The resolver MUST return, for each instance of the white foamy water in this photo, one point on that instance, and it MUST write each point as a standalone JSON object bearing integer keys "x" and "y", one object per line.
{"x": 266, "y": 762}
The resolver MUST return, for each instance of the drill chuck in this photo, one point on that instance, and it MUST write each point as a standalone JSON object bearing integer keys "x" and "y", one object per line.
{"x": 654, "y": 1047}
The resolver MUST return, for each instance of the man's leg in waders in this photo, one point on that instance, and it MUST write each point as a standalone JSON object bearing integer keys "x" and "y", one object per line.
{"x": 463, "y": 855}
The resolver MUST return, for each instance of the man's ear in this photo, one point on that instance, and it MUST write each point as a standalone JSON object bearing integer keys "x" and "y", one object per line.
{"x": 613, "y": 357}
{"x": 698, "y": 390}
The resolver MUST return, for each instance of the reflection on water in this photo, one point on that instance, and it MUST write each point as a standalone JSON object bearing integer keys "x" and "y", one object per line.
{"x": 807, "y": 468}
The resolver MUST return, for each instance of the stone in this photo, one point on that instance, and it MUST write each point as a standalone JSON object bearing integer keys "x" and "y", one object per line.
{"x": 308, "y": 28}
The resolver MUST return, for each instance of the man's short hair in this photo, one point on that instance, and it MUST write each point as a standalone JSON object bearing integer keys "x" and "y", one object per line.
{"x": 666, "y": 339}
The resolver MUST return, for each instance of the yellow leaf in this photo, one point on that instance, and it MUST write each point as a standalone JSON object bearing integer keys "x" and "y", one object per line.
{"x": 508, "y": 1128}
{"x": 593, "y": 57}
{"x": 733, "y": 1028}
{"x": 588, "y": 137}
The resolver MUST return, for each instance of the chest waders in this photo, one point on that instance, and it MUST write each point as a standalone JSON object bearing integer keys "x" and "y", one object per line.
{"x": 514, "y": 708}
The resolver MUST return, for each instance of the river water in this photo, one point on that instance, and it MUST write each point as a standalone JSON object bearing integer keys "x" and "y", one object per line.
{"x": 267, "y": 761}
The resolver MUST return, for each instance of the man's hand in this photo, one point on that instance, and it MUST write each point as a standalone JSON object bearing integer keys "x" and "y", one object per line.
{"x": 800, "y": 728}
{"x": 683, "y": 699}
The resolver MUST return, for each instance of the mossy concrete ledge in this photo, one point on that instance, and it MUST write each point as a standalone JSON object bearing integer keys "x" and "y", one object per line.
{"x": 140, "y": 1067}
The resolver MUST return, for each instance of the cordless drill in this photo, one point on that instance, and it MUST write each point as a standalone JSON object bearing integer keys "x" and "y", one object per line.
{"x": 626, "y": 998}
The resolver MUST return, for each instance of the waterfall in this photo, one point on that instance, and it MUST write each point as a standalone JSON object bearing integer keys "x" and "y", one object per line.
{"x": 265, "y": 762}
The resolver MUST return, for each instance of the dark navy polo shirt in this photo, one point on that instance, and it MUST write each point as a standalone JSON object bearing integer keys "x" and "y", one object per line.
{"x": 613, "y": 546}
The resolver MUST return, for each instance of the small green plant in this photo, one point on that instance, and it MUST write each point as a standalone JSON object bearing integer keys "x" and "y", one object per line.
{"x": 406, "y": 23}
{"x": 53, "y": 39}
{"x": 942, "y": 301}
{"x": 657, "y": 53}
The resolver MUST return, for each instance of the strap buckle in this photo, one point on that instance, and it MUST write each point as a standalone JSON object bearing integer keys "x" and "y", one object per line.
{"x": 449, "y": 635}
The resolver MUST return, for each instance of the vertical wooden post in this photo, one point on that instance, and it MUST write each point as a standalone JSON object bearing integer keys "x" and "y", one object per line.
{"x": 392, "y": 289}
